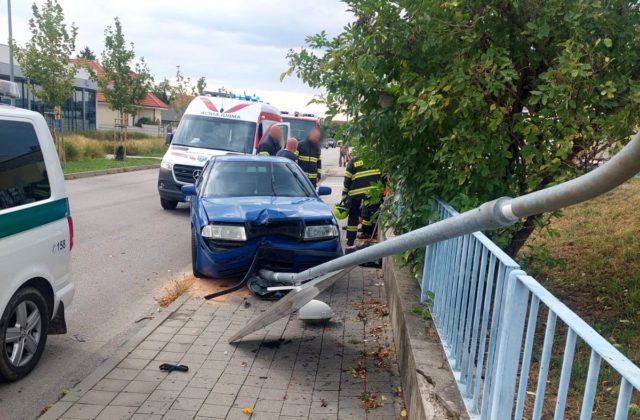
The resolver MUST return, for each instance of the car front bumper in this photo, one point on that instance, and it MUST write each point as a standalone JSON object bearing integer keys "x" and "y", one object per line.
{"x": 168, "y": 188}
{"x": 275, "y": 254}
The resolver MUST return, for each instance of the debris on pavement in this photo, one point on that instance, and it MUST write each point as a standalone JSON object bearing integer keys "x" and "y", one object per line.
{"x": 170, "y": 367}
{"x": 143, "y": 318}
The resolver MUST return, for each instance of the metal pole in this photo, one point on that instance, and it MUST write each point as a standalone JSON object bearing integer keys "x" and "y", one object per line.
{"x": 494, "y": 214}
{"x": 13, "y": 101}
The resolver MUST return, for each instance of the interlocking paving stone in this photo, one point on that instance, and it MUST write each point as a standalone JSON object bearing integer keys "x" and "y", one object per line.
{"x": 129, "y": 399}
{"x": 113, "y": 412}
{"x": 288, "y": 370}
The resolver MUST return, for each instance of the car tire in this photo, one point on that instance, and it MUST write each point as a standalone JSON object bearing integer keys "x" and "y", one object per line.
{"x": 168, "y": 204}
{"x": 23, "y": 333}
{"x": 194, "y": 247}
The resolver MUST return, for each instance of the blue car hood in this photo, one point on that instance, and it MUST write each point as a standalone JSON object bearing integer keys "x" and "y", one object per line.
{"x": 262, "y": 209}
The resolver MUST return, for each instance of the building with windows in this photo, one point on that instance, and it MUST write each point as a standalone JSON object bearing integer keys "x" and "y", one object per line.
{"x": 79, "y": 111}
{"x": 87, "y": 109}
{"x": 148, "y": 109}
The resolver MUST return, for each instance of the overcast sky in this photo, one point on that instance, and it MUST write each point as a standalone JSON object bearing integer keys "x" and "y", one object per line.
{"x": 238, "y": 44}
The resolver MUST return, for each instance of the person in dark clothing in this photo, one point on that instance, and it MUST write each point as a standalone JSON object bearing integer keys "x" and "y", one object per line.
{"x": 270, "y": 145}
{"x": 290, "y": 150}
{"x": 359, "y": 182}
{"x": 309, "y": 155}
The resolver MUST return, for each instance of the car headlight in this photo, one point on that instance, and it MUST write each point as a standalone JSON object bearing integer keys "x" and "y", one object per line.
{"x": 224, "y": 232}
{"x": 320, "y": 232}
{"x": 166, "y": 164}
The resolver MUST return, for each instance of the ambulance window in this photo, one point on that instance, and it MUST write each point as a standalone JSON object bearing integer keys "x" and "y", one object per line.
{"x": 23, "y": 173}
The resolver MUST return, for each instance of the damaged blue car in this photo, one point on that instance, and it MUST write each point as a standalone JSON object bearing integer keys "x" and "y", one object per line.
{"x": 245, "y": 206}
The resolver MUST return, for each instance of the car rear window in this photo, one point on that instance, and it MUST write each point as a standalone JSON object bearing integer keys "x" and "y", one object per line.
{"x": 23, "y": 173}
{"x": 247, "y": 179}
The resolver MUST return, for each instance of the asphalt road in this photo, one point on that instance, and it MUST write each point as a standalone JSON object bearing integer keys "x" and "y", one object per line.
{"x": 126, "y": 248}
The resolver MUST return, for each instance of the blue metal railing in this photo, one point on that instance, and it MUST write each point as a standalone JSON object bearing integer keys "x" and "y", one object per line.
{"x": 483, "y": 306}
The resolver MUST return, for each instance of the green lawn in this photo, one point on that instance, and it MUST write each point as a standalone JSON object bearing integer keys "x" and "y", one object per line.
{"x": 591, "y": 262}
{"x": 87, "y": 165}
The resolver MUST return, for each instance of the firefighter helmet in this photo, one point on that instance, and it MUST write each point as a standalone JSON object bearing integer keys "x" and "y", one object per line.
{"x": 340, "y": 211}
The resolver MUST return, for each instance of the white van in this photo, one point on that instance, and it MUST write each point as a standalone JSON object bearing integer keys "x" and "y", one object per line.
{"x": 211, "y": 126}
{"x": 36, "y": 237}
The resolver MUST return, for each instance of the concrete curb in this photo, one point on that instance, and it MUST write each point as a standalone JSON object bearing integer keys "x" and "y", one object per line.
{"x": 58, "y": 409}
{"x": 78, "y": 175}
{"x": 430, "y": 390}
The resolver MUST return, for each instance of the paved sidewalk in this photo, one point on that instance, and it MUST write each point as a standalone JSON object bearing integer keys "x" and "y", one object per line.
{"x": 290, "y": 370}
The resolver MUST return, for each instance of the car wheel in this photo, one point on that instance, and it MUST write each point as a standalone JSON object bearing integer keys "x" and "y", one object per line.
{"x": 23, "y": 328}
{"x": 168, "y": 204}
{"x": 194, "y": 248}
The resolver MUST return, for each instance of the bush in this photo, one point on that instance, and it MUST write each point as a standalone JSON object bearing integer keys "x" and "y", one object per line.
{"x": 79, "y": 148}
{"x": 108, "y": 135}
{"x": 72, "y": 151}
{"x": 474, "y": 100}
{"x": 146, "y": 121}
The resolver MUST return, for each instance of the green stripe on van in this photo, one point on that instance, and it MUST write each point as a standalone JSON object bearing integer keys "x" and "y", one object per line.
{"x": 32, "y": 217}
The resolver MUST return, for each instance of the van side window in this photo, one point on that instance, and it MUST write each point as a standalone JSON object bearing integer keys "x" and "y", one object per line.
{"x": 23, "y": 173}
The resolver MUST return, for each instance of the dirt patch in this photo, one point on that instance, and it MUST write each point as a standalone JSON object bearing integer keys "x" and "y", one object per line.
{"x": 202, "y": 287}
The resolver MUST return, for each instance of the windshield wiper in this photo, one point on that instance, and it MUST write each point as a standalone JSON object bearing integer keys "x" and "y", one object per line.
{"x": 273, "y": 182}
{"x": 299, "y": 181}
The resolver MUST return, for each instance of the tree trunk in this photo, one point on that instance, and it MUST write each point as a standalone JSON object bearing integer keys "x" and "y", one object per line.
{"x": 521, "y": 235}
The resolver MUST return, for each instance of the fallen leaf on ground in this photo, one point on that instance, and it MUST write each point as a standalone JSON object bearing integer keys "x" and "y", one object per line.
{"x": 403, "y": 413}
{"x": 248, "y": 410}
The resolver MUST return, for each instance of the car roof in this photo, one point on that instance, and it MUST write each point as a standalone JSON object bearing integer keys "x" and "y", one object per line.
{"x": 12, "y": 111}
{"x": 251, "y": 158}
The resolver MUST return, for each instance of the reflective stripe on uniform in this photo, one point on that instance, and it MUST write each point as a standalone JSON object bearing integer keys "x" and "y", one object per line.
{"x": 363, "y": 174}
{"x": 358, "y": 191}
{"x": 311, "y": 176}
{"x": 347, "y": 174}
{"x": 308, "y": 158}
{"x": 264, "y": 154}
{"x": 352, "y": 228}
{"x": 367, "y": 222}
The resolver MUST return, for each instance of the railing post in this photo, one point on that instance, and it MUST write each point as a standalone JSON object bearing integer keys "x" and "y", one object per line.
{"x": 510, "y": 331}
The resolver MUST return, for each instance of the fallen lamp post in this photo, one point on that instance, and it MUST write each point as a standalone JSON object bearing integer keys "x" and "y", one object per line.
{"x": 498, "y": 213}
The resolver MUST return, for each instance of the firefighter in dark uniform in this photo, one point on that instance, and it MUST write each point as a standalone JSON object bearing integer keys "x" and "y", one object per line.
{"x": 309, "y": 155}
{"x": 270, "y": 145}
{"x": 359, "y": 182}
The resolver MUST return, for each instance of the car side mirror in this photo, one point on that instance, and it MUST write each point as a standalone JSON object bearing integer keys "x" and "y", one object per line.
{"x": 168, "y": 138}
{"x": 323, "y": 190}
{"x": 189, "y": 189}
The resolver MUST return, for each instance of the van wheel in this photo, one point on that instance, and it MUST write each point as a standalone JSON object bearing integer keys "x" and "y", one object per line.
{"x": 23, "y": 333}
{"x": 168, "y": 204}
{"x": 194, "y": 248}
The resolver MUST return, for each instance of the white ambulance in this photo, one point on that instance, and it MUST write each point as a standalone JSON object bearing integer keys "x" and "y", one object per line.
{"x": 36, "y": 237}
{"x": 212, "y": 126}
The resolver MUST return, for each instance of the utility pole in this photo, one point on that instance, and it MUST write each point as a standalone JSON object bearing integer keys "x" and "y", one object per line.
{"x": 11, "y": 78}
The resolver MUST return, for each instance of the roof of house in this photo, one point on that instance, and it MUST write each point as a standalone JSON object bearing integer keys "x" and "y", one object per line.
{"x": 150, "y": 101}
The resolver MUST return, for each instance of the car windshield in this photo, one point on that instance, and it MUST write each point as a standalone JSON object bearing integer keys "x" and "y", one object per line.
{"x": 300, "y": 128}
{"x": 215, "y": 133}
{"x": 248, "y": 179}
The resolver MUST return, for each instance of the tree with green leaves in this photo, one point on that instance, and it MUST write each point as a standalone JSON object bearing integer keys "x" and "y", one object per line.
{"x": 124, "y": 81}
{"x": 87, "y": 54}
{"x": 472, "y": 100}
{"x": 162, "y": 90}
{"x": 45, "y": 57}
{"x": 201, "y": 85}
{"x": 181, "y": 91}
